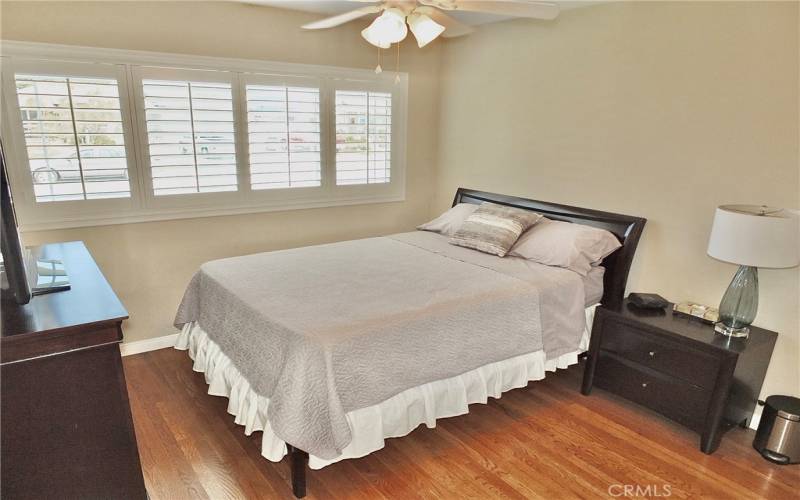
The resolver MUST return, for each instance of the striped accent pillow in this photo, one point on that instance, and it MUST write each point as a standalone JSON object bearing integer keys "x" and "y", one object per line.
{"x": 494, "y": 228}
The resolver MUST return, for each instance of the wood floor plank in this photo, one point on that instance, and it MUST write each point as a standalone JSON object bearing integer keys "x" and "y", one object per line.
{"x": 542, "y": 441}
{"x": 538, "y": 465}
{"x": 226, "y": 470}
{"x": 167, "y": 473}
{"x": 735, "y": 460}
{"x": 640, "y": 465}
{"x": 667, "y": 464}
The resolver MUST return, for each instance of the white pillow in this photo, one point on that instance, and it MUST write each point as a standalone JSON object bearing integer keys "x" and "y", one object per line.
{"x": 449, "y": 222}
{"x": 564, "y": 244}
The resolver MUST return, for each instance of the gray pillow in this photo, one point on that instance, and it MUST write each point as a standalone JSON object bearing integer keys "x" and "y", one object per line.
{"x": 494, "y": 228}
{"x": 449, "y": 222}
{"x": 565, "y": 244}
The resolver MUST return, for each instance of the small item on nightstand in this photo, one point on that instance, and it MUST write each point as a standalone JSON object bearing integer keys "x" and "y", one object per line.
{"x": 705, "y": 313}
{"x": 648, "y": 300}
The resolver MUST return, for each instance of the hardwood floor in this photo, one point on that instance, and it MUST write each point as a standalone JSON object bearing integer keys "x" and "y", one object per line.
{"x": 542, "y": 441}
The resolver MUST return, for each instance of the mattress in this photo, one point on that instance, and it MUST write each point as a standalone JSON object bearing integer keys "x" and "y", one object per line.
{"x": 323, "y": 332}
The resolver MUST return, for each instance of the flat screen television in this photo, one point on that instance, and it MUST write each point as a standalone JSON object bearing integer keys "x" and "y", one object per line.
{"x": 14, "y": 273}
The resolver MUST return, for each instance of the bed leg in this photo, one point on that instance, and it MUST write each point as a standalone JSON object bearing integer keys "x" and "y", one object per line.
{"x": 299, "y": 462}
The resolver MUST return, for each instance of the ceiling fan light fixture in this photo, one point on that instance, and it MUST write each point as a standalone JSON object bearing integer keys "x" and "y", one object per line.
{"x": 424, "y": 28}
{"x": 388, "y": 28}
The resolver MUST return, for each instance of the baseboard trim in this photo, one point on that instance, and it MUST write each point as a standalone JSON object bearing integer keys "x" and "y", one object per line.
{"x": 756, "y": 417}
{"x": 147, "y": 345}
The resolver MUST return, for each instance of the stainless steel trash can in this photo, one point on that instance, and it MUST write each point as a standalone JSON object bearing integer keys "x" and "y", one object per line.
{"x": 778, "y": 434}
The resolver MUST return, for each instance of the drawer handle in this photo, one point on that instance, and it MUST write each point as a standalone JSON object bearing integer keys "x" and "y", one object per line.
{"x": 652, "y": 354}
{"x": 644, "y": 384}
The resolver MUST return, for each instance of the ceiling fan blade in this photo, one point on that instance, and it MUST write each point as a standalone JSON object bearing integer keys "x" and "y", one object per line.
{"x": 452, "y": 28}
{"x": 516, "y": 8}
{"x": 330, "y": 22}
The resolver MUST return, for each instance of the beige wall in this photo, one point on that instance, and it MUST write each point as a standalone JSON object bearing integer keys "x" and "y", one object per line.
{"x": 661, "y": 110}
{"x": 149, "y": 264}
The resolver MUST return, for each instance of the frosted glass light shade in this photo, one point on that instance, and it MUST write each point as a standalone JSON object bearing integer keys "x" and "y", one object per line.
{"x": 424, "y": 28}
{"x": 388, "y": 28}
{"x": 752, "y": 235}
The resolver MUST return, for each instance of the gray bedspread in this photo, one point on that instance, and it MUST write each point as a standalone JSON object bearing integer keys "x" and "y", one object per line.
{"x": 328, "y": 329}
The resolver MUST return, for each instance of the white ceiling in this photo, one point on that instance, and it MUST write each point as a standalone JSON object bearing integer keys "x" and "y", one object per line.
{"x": 331, "y": 7}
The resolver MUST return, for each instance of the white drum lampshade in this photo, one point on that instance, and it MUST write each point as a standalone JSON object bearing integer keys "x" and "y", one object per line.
{"x": 757, "y": 236}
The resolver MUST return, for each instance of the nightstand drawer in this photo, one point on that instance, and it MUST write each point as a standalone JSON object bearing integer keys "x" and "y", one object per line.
{"x": 659, "y": 353}
{"x": 673, "y": 398}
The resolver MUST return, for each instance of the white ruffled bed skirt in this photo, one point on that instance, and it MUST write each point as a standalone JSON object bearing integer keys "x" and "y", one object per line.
{"x": 370, "y": 426}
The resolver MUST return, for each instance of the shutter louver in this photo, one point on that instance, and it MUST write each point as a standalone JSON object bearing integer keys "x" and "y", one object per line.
{"x": 363, "y": 137}
{"x": 191, "y": 136}
{"x": 284, "y": 136}
{"x": 74, "y": 137}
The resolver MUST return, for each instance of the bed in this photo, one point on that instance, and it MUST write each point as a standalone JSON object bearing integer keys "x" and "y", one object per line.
{"x": 331, "y": 349}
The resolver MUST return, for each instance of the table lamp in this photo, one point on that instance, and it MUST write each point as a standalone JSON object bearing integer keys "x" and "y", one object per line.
{"x": 752, "y": 236}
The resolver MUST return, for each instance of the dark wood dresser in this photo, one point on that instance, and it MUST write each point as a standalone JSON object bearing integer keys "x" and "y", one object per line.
{"x": 66, "y": 424}
{"x": 678, "y": 366}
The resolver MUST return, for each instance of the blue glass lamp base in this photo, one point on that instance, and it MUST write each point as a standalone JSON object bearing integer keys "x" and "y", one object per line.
{"x": 739, "y": 304}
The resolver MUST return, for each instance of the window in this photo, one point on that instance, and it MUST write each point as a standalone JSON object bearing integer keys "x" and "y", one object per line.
{"x": 190, "y": 136}
{"x": 98, "y": 136}
{"x": 73, "y": 136}
{"x": 363, "y": 137}
{"x": 283, "y": 125}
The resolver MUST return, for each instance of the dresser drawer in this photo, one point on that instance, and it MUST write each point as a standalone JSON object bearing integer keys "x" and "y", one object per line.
{"x": 657, "y": 352}
{"x": 672, "y": 397}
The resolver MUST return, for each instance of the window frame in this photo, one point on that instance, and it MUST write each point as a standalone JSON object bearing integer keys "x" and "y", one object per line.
{"x": 396, "y": 156}
{"x": 296, "y": 193}
{"x": 18, "y": 164}
{"x": 176, "y": 201}
{"x": 144, "y": 205}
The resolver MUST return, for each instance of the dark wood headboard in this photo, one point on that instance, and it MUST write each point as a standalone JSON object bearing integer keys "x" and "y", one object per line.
{"x": 626, "y": 228}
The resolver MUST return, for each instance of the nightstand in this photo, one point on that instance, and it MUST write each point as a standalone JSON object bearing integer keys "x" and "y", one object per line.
{"x": 677, "y": 366}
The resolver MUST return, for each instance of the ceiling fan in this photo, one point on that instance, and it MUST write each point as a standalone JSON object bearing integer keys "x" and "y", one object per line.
{"x": 426, "y": 18}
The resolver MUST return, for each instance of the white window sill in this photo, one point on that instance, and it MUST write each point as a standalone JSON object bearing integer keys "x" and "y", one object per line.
{"x": 192, "y": 213}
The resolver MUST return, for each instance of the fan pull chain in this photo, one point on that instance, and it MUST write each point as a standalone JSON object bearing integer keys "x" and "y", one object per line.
{"x": 378, "y": 69}
{"x": 397, "y": 69}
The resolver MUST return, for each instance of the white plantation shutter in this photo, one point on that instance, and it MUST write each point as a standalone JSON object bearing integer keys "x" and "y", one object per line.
{"x": 283, "y": 125}
{"x": 99, "y": 136}
{"x": 190, "y": 133}
{"x": 363, "y": 137}
{"x": 74, "y": 137}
